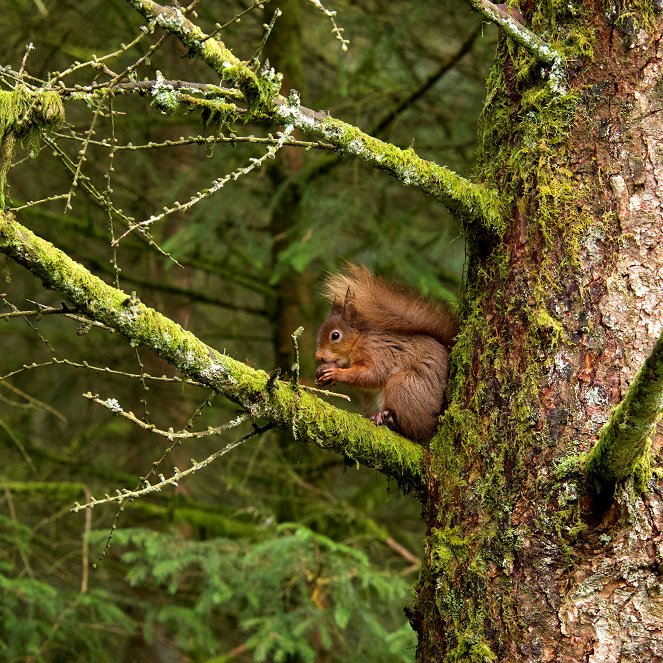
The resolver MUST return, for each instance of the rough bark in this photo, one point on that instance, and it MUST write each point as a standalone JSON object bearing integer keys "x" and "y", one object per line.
{"x": 562, "y": 305}
{"x": 521, "y": 563}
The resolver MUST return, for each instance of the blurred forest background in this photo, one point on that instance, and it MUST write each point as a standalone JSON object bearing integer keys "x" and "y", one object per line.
{"x": 276, "y": 551}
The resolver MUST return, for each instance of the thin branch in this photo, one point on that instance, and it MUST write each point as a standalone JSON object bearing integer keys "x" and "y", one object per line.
{"x": 625, "y": 438}
{"x": 336, "y": 31}
{"x": 471, "y": 202}
{"x": 49, "y": 310}
{"x": 530, "y": 41}
{"x": 147, "y": 87}
{"x": 308, "y": 418}
{"x": 214, "y": 187}
{"x": 190, "y": 140}
{"x": 112, "y": 405}
{"x": 126, "y": 494}
{"x": 127, "y": 497}
{"x": 96, "y": 369}
{"x": 100, "y": 199}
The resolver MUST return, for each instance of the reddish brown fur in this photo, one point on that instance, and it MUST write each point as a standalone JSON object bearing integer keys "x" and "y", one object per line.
{"x": 393, "y": 346}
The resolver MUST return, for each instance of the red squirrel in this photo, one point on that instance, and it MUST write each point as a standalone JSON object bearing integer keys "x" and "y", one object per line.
{"x": 389, "y": 343}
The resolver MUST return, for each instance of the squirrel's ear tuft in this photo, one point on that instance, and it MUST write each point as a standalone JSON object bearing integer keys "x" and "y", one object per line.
{"x": 349, "y": 313}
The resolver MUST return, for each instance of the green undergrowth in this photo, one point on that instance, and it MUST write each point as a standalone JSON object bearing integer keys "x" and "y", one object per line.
{"x": 295, "y": 595}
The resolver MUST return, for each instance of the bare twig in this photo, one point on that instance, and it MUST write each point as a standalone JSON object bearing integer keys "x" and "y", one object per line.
{"x": 216, "y": 186}
{"x": 112, "y": 405}
{"x": 97, "y": 369}
{"x": 177, "y": 476}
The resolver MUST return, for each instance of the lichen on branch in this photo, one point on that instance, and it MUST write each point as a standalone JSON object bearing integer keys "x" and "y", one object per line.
{"x": 471, "y": 202}
{"x": 530, "y": 41}
{"x": 258, "y": 88}
{"x": 287, "y": 406}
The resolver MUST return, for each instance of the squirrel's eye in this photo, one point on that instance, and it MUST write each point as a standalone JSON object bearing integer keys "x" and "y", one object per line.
{"x": 335, "y": 335}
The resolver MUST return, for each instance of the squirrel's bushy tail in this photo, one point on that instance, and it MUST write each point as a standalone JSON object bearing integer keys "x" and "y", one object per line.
{"x": 384, "y": 305}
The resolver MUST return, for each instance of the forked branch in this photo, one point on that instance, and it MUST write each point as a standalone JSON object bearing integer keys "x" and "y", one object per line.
{"x": 472, "y": 203}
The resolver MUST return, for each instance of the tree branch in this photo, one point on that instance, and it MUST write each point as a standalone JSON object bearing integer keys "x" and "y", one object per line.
{"x": 309, "y": 419}
{"x": 468, "y": 201}
{"x": 175, "y": 509}
{"x": 471, "y": 202}
{"x": 529, "y": 40}
{"x": 624, "y": 439}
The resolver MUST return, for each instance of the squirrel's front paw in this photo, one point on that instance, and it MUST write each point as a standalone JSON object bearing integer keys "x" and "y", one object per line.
{"x": 386, "y": 417}
{"x": 325, "y": 374}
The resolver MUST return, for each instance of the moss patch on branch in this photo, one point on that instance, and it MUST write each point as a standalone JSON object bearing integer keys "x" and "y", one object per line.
{"x": 625, "y": 439}
{"x": 24, "y": 116}
{"x": 308, "y": 418}
{"x": 259, "y": 87}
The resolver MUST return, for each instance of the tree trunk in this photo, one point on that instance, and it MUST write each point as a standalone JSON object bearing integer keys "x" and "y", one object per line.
{"x": 563, "y": 302}
{"x": 521, "y": 561}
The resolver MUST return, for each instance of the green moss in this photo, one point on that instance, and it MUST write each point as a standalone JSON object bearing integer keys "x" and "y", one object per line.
{"x": 217, "y": 115}
{"x": 452, "y": 559}
{"x": 24, "y": 116}
{"x": 309, "y": 418}
{"x": 631, "y": 17}
{"x": 259, "y": 89}
{"x": 624, "y": 442}
{"x": 447, "y": 545}
{"x": 564, "y": 24}
{"x": 476, "y": 203}
{"x": 166, "y": 101}
{"x": 25, "y": 113}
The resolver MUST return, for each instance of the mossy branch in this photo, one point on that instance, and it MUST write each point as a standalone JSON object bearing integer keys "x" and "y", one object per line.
{"x": 624, "y": 440}
{"x": 308, "y": 418}
{"x": 258, "y": 88}
{"x": 530, "y": 41}
{"x": 23, "y": 116}
{"x": 470, "y": 202}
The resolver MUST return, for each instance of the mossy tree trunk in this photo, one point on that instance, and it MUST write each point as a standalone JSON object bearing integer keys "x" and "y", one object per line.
{"x": 522, "y": 562}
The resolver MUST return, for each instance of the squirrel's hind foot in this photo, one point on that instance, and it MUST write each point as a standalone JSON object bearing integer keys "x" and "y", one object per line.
{"x": 385, "y": 417}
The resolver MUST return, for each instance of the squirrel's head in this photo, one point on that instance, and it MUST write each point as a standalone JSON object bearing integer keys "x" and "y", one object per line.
{"x": 338, "y": 335}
